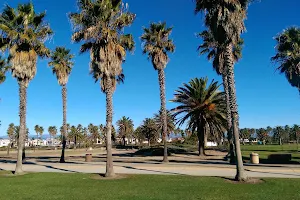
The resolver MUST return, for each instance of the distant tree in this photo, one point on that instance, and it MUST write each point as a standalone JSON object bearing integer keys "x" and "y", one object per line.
{"x": 41, "y": 131}
{"x": 279, "y": 133}
{"x": 125, "y": 128}
{"x": 149, "y": 130}
{"x": 262, "y": 135}
{"x": 52, "y": 130}
{"x": 94, "y": 132}
{"x": 296, "y": 133}
{"x": 11, "y": 136}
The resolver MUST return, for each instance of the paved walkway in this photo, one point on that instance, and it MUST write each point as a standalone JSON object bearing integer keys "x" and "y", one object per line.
{"x": 221, "y": 170}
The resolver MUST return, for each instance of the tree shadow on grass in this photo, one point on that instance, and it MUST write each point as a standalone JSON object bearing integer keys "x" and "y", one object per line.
{"x": 155, "y": 171}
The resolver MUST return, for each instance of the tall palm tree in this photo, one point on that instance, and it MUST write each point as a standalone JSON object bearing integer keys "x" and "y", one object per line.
{"x": 157, "y": 45}
{"x": 125, "y": 128}
{"x": 61, "y": 63}
{"x": 100, "y": 24}
{"x": 216, "y": 53}
{"x": 23, "y": 33}
{"x": 170, "y": 122}
{"x": 225, "y": 20}
{"x": 202, "y": 106}
{"x": 288, "y": 55}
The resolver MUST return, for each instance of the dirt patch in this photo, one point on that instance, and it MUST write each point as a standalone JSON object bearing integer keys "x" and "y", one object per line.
{"x": 102, "y": 177}
{"x": 248, "y": 181}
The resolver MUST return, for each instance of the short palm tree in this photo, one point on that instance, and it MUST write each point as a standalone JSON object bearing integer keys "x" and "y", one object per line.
{"x": 202, "y": 106}
{"x": 170, "y": 122}
{"x": 94, "y": 132}
{"x": 125, "y": 128}
{"x": 23, "y": 33}
{"x": 100, "y": 24}
{"x": 288, "y": 55}
{"x": 157, "y": 45}
{"x": 225, "y": 20}
{"x": 61, "y": 63}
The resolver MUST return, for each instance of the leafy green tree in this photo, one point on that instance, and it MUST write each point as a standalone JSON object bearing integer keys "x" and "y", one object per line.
{"x": 100, "y": 24}
{"x": 287, "y": 55}
{"x": 22, "y": 34}
{"x": 225, "y": 20}
{"x": 157, "y": 45}
{"x": 125, "y": 128}
{"x": 202, "y": 106}
{"x": 61, "y": 63}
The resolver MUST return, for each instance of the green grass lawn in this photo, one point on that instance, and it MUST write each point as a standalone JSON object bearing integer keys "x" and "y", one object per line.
{"x": 265, "y": 150}
{"x": 81, "y": 186}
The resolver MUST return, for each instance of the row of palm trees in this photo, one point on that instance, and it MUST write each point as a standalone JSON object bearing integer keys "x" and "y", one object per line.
{"x": 99, "y": 27}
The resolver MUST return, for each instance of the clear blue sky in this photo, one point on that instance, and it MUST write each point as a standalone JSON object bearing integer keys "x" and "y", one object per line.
{"x": 264, "y": 97}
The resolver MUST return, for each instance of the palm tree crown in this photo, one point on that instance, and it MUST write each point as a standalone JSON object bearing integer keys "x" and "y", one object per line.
{"x": 23, "y": 33}
{"x": 288, "y": 55}
{"x": 170, "y": 122}
{"x": 61, "y": 62}
{"x": 100, "y": 26}
{"x": 125, "y": 126}
{"x": 157, "y": 44}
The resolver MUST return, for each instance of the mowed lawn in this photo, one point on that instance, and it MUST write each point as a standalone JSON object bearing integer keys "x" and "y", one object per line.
{"x": 265, "y": 150}
{"x": 81, "y": 186}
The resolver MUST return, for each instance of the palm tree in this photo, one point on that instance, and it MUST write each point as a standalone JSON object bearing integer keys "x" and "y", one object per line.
{"x": 23, "y": 33}
{"x": 149, "y": 130}
{"x": 52, "y": 130}
{"x": 10, "y": 134}
{"x": 288, "y": 55}
{"x": 202, "y": 106}
{"x": 296, "y": 130}
{"x": 125, "y": 128}
{"x": 41, "y": 131}
{"x": 157, "y": 45}
{"x": 225, "y": 20}
{"x": 170, "y": 122}
{"x": 100, "y": 26}
{"x": 216, "y": 53}
{"x": 94, "y": 132}
{"x": 37, "y": 130}
{"x": 61, "y": 62}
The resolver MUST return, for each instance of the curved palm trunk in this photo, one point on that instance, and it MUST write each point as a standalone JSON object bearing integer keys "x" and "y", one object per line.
{"x": 161, "y": 79}
{"x": 64, "y": 98}
{"x": 240, "y": 174}
{"x": 109, "y": 109}
{"x": 229, "y": 122}
{"x": 22, "y": 114}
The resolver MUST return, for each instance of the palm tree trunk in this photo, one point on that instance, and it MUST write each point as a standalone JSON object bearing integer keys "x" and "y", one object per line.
{"x": 8, "y": 147}
{"x": 109, "y": 110}
{"x": 201, "y": 138}
{"x": 22, "y": 114}
{"x": 161, "y": 79}
{"x": 240, "y": 174}
{"x": 229, "y": 122}
{"x": 64, "y": 99}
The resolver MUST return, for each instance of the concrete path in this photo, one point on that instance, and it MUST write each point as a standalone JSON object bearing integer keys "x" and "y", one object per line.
{"x": 221, "y": 170}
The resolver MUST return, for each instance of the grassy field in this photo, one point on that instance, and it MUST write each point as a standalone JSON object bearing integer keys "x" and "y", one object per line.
{"x": 81, "y": 186}
{"x": 265, "y": 150}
